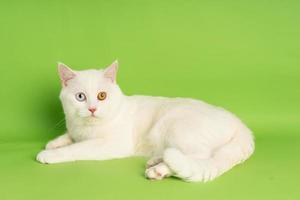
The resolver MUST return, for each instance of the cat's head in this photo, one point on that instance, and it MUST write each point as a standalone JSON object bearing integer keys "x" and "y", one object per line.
{"x": 90, "y": 94}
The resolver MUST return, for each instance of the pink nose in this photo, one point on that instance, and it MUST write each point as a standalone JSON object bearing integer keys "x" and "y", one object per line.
{"x": 92, "y": 110}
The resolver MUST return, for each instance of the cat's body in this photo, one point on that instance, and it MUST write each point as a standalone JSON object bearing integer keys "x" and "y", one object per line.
{"x": 184, "y": 137}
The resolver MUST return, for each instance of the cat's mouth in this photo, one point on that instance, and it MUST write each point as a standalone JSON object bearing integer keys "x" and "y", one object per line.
{"x": 88, "y": 116}
{"x": 93, "y": 116}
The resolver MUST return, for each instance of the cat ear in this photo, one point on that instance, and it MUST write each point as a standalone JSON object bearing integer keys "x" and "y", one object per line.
{"x": 111, "y": 71}
{"x": 65, "y": 73}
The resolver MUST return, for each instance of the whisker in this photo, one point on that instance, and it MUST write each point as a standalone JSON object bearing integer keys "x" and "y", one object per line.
{"x": 60, "y": 123}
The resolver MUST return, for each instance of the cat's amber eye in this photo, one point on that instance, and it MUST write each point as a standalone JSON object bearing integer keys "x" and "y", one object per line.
{"x": 101, "y": 96}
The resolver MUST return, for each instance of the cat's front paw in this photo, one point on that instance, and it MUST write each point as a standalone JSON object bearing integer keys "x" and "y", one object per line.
{"x": 52, "y": 145}
{"x": 59, "y": 142}
{"x": 48, "y": 157}
{"x": 158, "y": 172}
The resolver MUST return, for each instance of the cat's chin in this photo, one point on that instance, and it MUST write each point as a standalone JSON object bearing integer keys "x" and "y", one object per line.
{"x": 90, "y": 120}
{"x": 92, "y": 117}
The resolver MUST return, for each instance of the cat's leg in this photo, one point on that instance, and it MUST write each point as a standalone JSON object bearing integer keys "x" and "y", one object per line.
{"x": 156, "y": 167}
{"x": 198, "y": 152}
{"x": 190, "y": 168}
{"x": 60, "y": 141}
{"x": 95, "y": 149}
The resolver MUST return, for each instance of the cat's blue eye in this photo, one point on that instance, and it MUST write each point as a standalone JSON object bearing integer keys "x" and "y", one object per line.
{"x": 80, "y": 96}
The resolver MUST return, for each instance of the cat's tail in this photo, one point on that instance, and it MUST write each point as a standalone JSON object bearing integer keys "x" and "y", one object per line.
{"x": 189, "y": 168}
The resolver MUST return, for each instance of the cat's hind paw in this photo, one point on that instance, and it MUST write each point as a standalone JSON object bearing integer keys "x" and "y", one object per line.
{"x": 158, "y": 172}
{"x": 153, "y": 161}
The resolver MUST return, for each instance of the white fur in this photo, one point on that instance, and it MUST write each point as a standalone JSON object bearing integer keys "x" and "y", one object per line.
{"x": 185, "y": 138}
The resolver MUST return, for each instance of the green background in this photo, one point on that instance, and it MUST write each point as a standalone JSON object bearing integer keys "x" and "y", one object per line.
{"x": 241, "y": 55}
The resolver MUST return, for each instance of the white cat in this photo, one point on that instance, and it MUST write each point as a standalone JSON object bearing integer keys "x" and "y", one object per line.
{"x": 185, "y": 138}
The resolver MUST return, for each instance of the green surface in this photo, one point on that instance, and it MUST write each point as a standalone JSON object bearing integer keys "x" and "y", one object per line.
{"x": 242, "y": 55}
